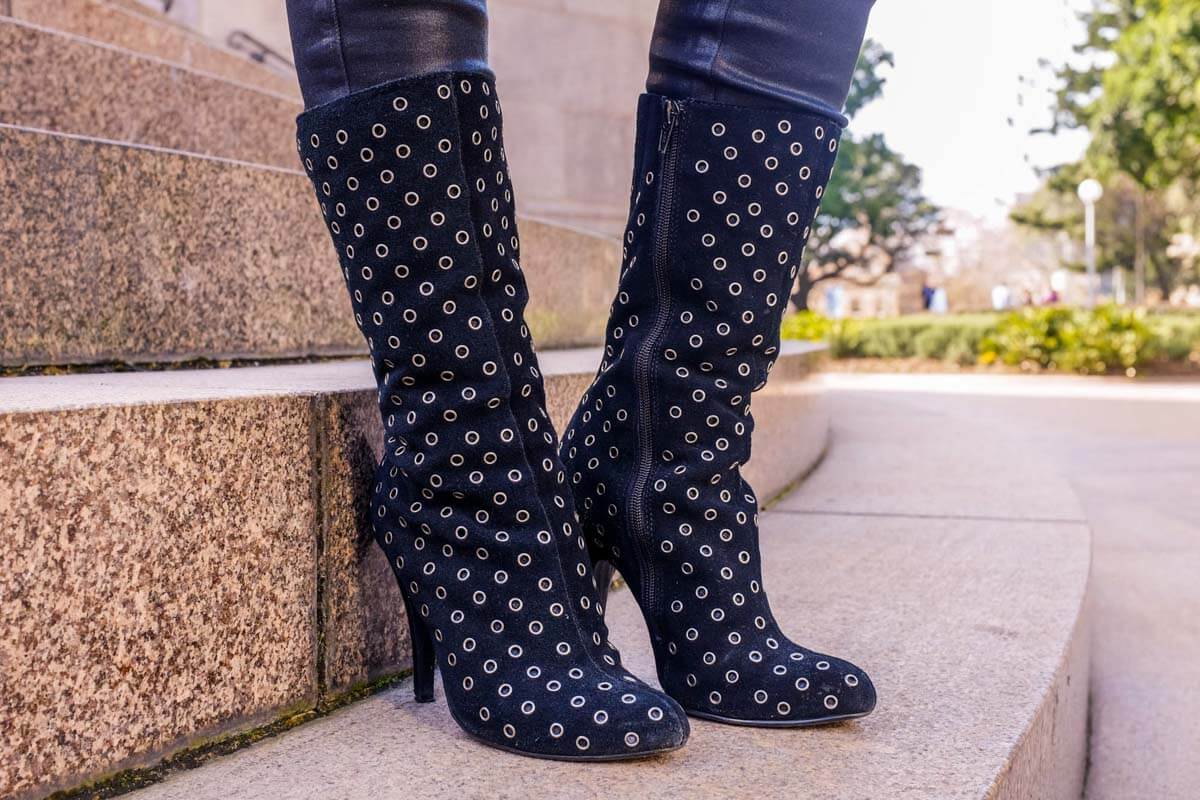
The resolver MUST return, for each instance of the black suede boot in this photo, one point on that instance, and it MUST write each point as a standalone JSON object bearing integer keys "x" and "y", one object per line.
{"x": 722, "y": 200}
{"x": 471, "y": 503}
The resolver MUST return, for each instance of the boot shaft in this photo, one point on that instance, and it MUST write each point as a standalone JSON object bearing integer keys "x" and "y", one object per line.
{"x": 721, "y": 205}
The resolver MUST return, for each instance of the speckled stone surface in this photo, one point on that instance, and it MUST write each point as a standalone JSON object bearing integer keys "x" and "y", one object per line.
{"x": 111, "y": 252}
{"x": 141, "y": 32}
{"x": 158, "y": 581}
{"x": 189, "y": 555}
{"x": 63, "y": 83}
{"x": 365, "y": 628}
{"x": 973, "y": 630}
{"x": 117, "y": 253}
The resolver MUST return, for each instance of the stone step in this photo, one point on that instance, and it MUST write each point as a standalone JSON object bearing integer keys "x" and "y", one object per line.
{"x": 185, "y": 554}
{"x": 973, "y": 626}
{"x": 118, "y": 252}
{"x": 67, "y": 84}
{"x": 139, "y": 30}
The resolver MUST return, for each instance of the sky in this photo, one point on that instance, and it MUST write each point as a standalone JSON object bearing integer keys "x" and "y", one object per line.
{"x": 955, "y": 85}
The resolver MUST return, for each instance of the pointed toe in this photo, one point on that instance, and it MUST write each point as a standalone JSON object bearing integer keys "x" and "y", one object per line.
{"x": 843, "y": 690}
{"x": 861, "y": 701}
{"x": 647, "y": 723}
{"x": 673, "y": 730}
{"x": 615, "y": 726}
{"x": 804, "y": 689}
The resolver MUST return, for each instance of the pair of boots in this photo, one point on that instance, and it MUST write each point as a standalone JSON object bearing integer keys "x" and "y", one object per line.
{"x": 503, "y": 541}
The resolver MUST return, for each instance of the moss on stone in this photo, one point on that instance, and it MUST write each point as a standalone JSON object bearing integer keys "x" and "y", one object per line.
{"x": 205, "y": 750}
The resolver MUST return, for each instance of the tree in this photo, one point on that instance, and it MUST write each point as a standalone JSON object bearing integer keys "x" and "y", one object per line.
{"x": 1138, "y": 94}
{"x": 873, "y": 210}
{"x": 1128, "y": 220}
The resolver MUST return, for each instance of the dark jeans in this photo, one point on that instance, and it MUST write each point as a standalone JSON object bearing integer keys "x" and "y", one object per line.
{"x": 781, "y": 53}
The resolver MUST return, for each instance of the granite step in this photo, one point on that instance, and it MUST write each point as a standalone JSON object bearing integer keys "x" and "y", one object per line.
{"x": 186, "y": 556}
{"x": 68, "y": 84}
{"x": 973, "y": 626}
{"x": 121, "y": 252}
{"x": 140, "y": 30}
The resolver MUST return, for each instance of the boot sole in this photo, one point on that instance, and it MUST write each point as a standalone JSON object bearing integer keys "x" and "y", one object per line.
{"x": 776, "y": 723}
{"x": 546, "y": 757}
{"x": 636, "y": 756}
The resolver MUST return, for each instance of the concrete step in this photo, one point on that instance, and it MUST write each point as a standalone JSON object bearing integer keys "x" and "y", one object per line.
{"x": 139, "y": 30}
{"x": 973, "y": 626}
{"x": 185, "y": 554}
{"x": 1132, "y": 451}
{"x": 114, "y": 251}
{"x": 68, "y": 84}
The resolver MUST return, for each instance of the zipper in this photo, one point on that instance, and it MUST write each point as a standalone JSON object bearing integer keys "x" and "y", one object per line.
{"x": 668, "y": 148}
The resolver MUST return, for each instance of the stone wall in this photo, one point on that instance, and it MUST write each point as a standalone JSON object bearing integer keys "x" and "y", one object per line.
{"x": 569, "y": 73}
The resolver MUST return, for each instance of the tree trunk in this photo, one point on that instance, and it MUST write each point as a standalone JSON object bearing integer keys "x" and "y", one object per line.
{"x": 801, "y": 290}
{"x": 1165, "y": 281}
{"x": 1139, "y": 246}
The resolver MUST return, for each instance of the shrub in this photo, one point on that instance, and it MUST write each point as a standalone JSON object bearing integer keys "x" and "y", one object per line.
{"x": 807, "y": 326}
{"x": 845, "y": 339}
{"x": 1178, "y": 335}
{"x": 1110, "y": 338}
{"x": 889, "y": 338}
{"x": 951, "y": 338}
{"x": 1073, "y": 340}
{"x": 958, "y": 343}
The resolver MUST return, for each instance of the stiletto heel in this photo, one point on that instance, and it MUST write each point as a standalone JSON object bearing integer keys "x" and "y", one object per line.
{"x": 604, "y": 575}
{"x": 422, "y": 654}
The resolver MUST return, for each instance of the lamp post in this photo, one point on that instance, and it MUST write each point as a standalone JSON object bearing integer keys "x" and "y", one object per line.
{"x": 1090, "y": 192}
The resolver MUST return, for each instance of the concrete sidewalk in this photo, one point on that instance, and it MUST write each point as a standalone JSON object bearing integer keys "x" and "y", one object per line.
{"x": 1131, "y": 450}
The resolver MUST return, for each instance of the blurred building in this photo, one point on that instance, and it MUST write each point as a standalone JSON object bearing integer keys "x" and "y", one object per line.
{"x": 891, "y": 295}
{"x": 973, "y": 262}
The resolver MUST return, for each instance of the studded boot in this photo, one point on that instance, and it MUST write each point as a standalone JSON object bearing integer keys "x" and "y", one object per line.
{"x": 471, "y": 503}
{"x": 720, "y": 210}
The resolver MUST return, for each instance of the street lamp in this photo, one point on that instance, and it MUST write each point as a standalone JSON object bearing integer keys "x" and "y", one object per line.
{"x": 1090, "y": 192}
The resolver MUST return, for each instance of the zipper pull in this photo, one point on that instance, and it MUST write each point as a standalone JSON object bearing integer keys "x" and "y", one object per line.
{"x": 671, "y": 110}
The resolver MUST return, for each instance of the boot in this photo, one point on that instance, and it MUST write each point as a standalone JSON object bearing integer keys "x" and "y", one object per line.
{"x": 470, "y": 502}
{"x": 720, "y": 210}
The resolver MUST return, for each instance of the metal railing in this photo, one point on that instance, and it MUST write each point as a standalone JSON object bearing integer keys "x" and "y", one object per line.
{"x": 257, "y": 50}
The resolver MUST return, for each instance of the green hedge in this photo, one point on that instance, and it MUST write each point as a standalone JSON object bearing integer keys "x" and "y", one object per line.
{"x": 1178, "y": 335}
{"x": 1108, "y": 339}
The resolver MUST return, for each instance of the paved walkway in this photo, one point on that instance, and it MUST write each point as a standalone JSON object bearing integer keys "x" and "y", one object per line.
{"x": 1132, "y": 452}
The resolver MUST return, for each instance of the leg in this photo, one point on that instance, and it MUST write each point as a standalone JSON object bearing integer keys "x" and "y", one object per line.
{"x": 344, "y": 46}
{"x": 775, "y": 53}
{"x": 730, "y": 169}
